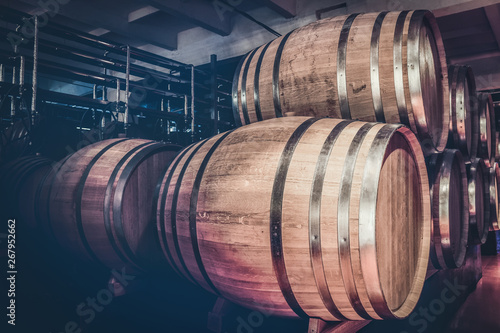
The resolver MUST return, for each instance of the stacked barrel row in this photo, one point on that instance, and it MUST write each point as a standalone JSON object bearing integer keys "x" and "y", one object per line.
{"x": 312, "y": 217}
{"x": 390, "y": 68}
{"x": 464, "y": 178}
{"x": 95, "y": 204}
{"x": 298, "y": 215}
{"x": 384, "y": 67}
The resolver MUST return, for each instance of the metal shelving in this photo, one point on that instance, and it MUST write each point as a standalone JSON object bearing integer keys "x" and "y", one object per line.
{"x": 145, "y": 89}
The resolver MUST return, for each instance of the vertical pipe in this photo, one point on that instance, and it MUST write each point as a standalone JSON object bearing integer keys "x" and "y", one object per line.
{"x": 185, "y": 113}
{"x": 103, "y": 119}
{"x": 22, "y": 70}
{"x": 2, "y": 73}
{"x": 214, "y": 114}
{"x": 162, "y": 109}
{"x": 127, "y": 88}
{"x": 12, "y": 98}
{"x": 168, "y": 110}
{"x": 94, "y": 96}
{"x": 192, "y": 102}
{"x": 117, "y": 98}
{"x": 34, "y": 112}
{"x": 117, "y": 95}
{"x": 14, "y": 81}
{"x": 168, "y": 121}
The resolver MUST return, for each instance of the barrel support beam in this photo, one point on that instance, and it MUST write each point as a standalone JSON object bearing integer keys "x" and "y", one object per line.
{"x": 319, "y": 326}
{"x": 216, "y": 318}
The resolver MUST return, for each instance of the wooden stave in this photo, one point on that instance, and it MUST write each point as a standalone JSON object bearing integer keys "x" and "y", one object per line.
{"x": 440, "y": 168}
{"x": 107, "y": 248}
{"x": 196, "y": 275}
{"x": 463, "y": 110}
{"x": 410, "y": 99}
{"x": 477, "y": 173}
{"x": 487, "y": 129}
{"x": 28, "y": 186}
{"x": 17, "y": 187}
{"x": 494, "y": 197}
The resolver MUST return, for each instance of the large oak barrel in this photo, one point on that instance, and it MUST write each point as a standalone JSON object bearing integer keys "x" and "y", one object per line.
{"x": 479, "y": 201}
{"x": 19, "y": 180}
{"x": 450, "y": 209}
{"x": 100, "y": 202}
{"x": 494, "y": 196}
{"x": 487, "y": 130}
{"x": 386, "y": 67}
{"x": 464, "y": 116}
{"x": 302, "y": 217}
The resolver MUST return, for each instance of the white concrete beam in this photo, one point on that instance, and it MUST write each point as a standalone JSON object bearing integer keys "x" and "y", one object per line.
{"x": 463, "y": 6}
{"x": 141, "y": 12}
{"x": 493, "y": 14}
{"x": 98, "y": 32}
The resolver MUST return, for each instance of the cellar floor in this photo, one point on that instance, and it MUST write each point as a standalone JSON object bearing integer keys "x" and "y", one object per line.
{"x": 480, "y": 312}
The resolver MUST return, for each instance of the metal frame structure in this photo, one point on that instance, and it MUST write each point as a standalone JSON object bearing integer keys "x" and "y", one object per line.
{"x": 149, "y": 82}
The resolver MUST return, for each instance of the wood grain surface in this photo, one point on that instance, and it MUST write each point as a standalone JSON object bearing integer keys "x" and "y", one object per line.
{"x": 301, "y": 216}
{"x": 464, "y": 114}
{"x": 100, "y": 202}
{"x": 386, "y": 67}
{"x": 450, "y": 209}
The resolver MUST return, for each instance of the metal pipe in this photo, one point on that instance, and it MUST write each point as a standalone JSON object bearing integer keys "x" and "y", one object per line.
{"x": 2, "y": 73}
{"x": 85, "y": 38}
{"x": 185, "y": 107}
{"x": 105, "y": 89}
{"x": 117, "y": 95}
{"x": 162, "y": 109}
{"x": 22, "y": 70}
{"x": 168, "y": 121}
{"x": 97, "y": 60}
{"x": 34, "y": 112}
{"x": 214, "y": 114}
{"x": 103, "y": 119}
{"x": 12, "y": 98}
{"x": 127, "y": 89}
{"x": 14, "y": 81}
{"x": 94, "y": 96}
{"x": 168, "y": 110}
{"x": 192, "y": 102}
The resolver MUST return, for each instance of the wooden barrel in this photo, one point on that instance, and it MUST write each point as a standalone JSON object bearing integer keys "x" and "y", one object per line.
{"x": 449, "y": 208}
{"x": 487, "y": 138}
{"x": 302, "y": 217}
{"x": 19, "y": 180}
{"x": 494, "y": 197}
{"x": 99, "y": 202}
{"x": 385, "y": 67}
{"x": 479, "y": 201}
{"x": 464, "y": 116}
